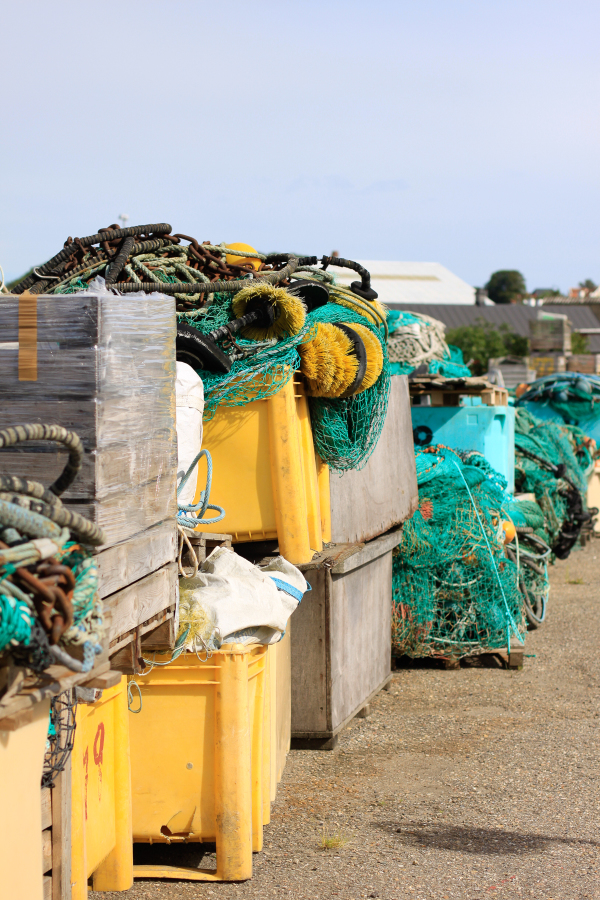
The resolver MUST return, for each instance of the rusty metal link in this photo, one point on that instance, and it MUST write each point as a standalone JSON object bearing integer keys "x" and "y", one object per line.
{"x": 52, "y": 595}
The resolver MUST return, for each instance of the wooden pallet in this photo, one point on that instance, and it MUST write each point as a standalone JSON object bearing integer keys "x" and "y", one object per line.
{"x": 203, "y": 543}
{"x": 24, "y": 689}
{"x": 448, "y": 391}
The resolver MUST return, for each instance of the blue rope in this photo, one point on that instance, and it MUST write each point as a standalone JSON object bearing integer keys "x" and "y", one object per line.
{"x": 15, "y": 622}
{"x": 201, "y": 507}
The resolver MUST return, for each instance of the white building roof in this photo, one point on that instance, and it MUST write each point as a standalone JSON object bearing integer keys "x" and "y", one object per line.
{"x": 412, "y": 282}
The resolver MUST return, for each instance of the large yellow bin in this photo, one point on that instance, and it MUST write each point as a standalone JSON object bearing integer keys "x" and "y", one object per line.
{"x": 101, "y": 842}
{"x": 197, "y": 759}
{"x": 266, "y": 475}
{"x": 21, "y": 764}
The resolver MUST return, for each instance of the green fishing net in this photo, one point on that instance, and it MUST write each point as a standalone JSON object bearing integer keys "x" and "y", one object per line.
{"x": 573, "y": 396}
{"x": 345, "y": 432}
{"x": 415, "y": 340}
{"x": 454, "y": 592}
{"x": 558, "y": 445}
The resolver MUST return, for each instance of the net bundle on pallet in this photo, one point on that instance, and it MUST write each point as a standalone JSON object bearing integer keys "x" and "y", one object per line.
{"x": 417, "y": 341}
{"x": 455, "y": 592}
{"x": 553, "y": 461}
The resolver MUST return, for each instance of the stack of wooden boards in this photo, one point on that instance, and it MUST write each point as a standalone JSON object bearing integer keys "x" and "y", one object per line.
{"x": 104, "y": 367}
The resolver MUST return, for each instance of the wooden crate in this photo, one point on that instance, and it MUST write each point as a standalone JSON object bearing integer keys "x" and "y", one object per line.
{"x": 370, "y": 501}
{"x": 341, "y": 647}
{"x": 106, "y": 370}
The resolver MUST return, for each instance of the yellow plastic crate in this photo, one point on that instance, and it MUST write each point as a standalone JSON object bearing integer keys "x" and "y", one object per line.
{"x": 266, "y": 475}
{"x": 101, "y": 842}
{"x": 198, "y": 751}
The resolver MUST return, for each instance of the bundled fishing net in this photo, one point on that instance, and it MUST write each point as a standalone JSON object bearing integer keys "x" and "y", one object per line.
{"x": 575, "y": 398}
{"x": 210, "y": 283}
{"x": 417, "y": 340}
{"x": 553, "y": 461}
{"x": 345, "y": 431}
{"x": 454, "y": 590}
{"x": 50, "y": 611}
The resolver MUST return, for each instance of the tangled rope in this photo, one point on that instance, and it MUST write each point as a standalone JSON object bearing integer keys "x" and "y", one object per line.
{"x": 48, "y": 582}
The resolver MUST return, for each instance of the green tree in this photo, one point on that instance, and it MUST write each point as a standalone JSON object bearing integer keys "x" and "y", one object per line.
{"x": 579, "y": 343}
{"x": 484, "y": 341}
{"x": 506, "y": 286}
{"x": 589, "y": 284}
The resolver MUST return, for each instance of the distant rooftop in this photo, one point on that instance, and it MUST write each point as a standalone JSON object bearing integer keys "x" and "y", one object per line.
{"x": 412, "y": 282}
{"x": 516, "y": 315}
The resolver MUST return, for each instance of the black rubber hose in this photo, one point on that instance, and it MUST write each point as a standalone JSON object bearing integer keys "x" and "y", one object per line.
{"x": 142, "y": 247}
{"x": 67, "y": 252}
{"x": 118, "y": 263}
{"x": 363, "y": 289}
{"x": 212, "y": 287}
{"x": 19, "y": 433}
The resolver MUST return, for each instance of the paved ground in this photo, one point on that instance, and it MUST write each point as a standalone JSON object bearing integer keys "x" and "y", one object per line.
{"x": 466, "y": 784}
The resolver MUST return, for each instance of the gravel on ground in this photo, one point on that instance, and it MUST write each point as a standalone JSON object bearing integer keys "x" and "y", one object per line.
{"x": 472, "y": 783}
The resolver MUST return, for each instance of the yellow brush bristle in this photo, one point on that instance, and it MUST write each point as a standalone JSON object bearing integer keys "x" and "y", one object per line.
{"x": 338, "y": 296}
{"x": 374, "y": 355}
{"x": 318, "y": 364}
{"x": 290, "y": 317}
{"x": 346, "y": 363}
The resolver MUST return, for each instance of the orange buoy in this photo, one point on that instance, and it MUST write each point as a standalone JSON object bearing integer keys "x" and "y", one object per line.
{"x": 509, "y": 531}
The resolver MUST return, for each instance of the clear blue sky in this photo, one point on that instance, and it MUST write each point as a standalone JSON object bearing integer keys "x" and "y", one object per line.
{"x": 464, "y": 132}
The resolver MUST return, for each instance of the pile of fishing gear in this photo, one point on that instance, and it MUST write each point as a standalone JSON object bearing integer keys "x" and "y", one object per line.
{"x": 247, "y": 321}
{"x": 50, "y": 611}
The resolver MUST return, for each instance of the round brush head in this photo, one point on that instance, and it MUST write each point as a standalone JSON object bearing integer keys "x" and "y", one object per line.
{"x": 318, "y": 362}
{"x": 374, "y": 356}
{"x": 290, "y": 313}
{"x": 338, "y": 296}
{"x": 347, "y": 364}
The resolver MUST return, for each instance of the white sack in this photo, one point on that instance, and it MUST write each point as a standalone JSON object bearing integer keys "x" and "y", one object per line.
{"x": 189, "y": 392}
{"x": 233, "y": 601}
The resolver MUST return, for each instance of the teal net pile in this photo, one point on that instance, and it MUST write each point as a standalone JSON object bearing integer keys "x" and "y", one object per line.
{"x": 454, "y": 592}
{"x": 345, "y": 432}
{"x": 573, "y": 397}
{"x": 552, "y": 461}
{"x": 417, "y": 340}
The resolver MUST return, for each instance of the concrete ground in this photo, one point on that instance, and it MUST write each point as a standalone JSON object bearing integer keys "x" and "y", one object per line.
{"x": 472, "y": 783}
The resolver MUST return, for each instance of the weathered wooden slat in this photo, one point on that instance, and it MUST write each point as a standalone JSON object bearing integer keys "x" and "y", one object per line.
{"x": 131, "y": 607}
{"x": 47, "y": 850}
{"x": 128, "y": 561}
{"x": 126, "y": 513}
{"x": 103, "y": 471}
{"x": 98, "y": 420}
{"x": 61, "y": 835}
{"x": 46, "y": 808}
{"x": 56, "y": 680}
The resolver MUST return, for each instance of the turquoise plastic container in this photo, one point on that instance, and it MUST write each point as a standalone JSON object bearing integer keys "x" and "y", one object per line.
{"x": 487, "y": 429}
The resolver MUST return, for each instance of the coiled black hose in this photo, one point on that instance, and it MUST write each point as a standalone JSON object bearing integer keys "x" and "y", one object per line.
{"x": 67, "y": 252}
{"x": 213, "y": 287}
{"x": 120, "y": 260}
